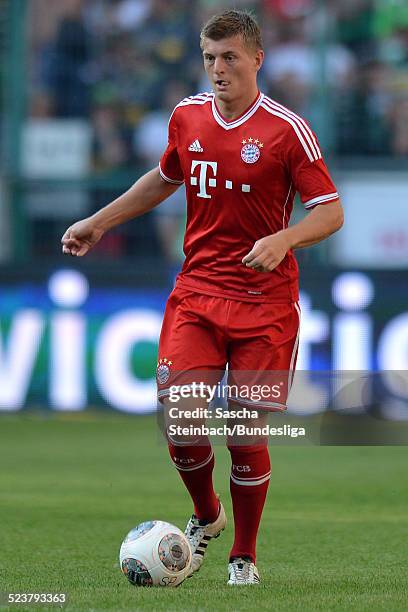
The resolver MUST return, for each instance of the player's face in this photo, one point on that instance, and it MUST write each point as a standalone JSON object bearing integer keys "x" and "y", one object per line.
{"x": 231, "y": 67}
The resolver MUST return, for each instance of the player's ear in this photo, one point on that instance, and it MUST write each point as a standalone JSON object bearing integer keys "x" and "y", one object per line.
{"x": 259, "y": 58}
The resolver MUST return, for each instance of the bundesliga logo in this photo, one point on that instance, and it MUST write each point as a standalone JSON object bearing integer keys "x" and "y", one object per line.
{"x": 251, "y": 150}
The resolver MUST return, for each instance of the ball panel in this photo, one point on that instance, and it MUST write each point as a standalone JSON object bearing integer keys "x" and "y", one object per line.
{"x": 174, "y": 552}
{"x": 136, "y": 572}
{"x": 139, "y": 531}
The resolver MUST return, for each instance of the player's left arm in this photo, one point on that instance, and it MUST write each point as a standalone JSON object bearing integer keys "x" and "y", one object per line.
{"x": 309, "y": 176}
{"x": 320, "y": 223}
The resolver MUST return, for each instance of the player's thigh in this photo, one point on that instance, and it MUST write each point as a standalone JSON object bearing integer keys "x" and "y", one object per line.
{"x": 192, "y": 347}
{"x": 263, "y": 355}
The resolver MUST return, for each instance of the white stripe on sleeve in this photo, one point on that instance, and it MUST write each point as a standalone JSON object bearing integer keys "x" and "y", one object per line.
{"x": 311, "y": 155}
{"x": 169, "y": 180}
{"x": 302, "y": 124}
{"x": 321, "y": 199}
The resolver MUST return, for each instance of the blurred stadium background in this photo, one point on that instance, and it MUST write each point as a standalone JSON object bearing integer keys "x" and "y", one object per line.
{"x": 86, "y": 91}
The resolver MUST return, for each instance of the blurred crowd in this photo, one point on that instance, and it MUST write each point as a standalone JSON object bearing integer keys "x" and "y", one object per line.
{"x": 123, "y": 65}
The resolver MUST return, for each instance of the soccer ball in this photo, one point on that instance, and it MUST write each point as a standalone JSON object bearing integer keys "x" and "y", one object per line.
{"x": 155, "y": 553}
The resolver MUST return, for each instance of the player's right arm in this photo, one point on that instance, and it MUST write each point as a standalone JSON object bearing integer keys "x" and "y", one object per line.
{"x": 148, "y": 191}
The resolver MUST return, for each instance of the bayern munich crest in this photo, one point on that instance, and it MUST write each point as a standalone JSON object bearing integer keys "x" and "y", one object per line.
{"x": 251, "y": 150}
{"x": 163, "y": 371}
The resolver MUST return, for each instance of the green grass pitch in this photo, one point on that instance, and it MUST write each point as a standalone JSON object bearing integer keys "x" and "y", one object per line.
{"x": 334, "y": 533}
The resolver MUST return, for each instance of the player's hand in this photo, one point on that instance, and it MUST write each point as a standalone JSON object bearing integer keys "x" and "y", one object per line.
{"x": 81, "y": 237}
{"x": 267, "y": 253}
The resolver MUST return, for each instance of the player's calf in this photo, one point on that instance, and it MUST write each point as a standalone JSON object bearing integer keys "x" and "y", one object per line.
{"x": 249, "y": 481}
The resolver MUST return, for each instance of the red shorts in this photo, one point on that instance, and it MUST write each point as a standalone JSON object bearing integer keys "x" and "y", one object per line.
{"x": 201, "y": 334}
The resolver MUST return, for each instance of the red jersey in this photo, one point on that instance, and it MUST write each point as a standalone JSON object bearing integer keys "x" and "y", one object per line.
{"x": 241, "y": 178}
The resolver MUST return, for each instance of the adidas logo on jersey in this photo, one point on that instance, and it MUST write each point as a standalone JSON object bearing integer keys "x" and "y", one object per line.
{"x": 195, "y": 147}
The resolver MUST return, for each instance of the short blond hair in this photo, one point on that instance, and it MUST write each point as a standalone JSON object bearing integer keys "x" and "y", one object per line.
{"x": 233, "y": 23}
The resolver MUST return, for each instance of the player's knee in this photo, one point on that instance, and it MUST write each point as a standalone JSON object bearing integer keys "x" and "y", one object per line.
{"x": 184, "y": 422}
{"x": 185, "y": 436}
{"x": 248, "y": 432}
{"x": 248, "y": 446}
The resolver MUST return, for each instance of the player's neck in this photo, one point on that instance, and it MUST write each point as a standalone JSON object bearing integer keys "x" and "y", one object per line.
{"x": 233, "y": 109}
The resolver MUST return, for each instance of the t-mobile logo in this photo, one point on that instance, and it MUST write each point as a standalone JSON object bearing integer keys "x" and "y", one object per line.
{"x": 212, "y": 182}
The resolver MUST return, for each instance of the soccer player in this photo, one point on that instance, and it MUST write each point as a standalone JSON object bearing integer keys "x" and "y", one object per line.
{"x": 242, "y": 157}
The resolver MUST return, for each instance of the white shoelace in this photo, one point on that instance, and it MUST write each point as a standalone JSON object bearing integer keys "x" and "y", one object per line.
{"x": 242, "y": 571}
{"x": 194, "y": 533}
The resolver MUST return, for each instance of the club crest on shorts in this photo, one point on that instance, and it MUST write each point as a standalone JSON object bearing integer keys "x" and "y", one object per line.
{"x": 163, "y": 371}
{"x": 251, "y": 150}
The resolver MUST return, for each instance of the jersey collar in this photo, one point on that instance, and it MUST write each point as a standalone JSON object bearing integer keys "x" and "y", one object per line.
{"x": 229, "y": 125}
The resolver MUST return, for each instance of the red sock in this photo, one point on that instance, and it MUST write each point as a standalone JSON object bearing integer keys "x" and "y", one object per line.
{"x": 250, "y": 474}
{"x": 195, "y": 463}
